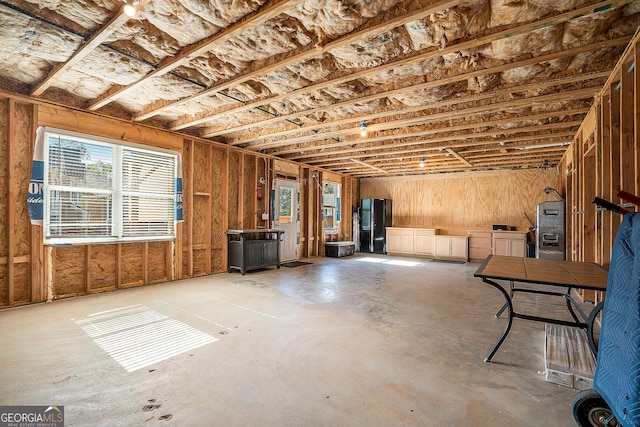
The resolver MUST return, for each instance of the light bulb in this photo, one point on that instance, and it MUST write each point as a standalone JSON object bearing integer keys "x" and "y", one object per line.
{"x": 363, "y": 132}
{"x": 129, "y": 10}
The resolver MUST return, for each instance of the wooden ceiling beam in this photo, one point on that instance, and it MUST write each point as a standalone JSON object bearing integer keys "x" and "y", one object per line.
{"x": 268, "y": 11}
{"x": 85, "y": 49}
{"x": 188, "y": 121}
{"x": 458, "y": 156}
{"x": 368, "y": 165}
{"x": 261, "y": 68}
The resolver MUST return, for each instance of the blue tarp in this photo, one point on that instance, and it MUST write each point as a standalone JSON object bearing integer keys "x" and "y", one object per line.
{"x": 617, "y": 377}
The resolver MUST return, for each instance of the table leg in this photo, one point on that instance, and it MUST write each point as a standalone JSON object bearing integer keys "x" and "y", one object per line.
{"x": 592, "y": 319}
{"x": 567, "y": 298}
{"x": 504, "y": 306}
{"x": 507, "y": 328}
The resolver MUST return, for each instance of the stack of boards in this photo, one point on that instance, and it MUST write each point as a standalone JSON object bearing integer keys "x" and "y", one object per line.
{"x": 568, "y": 359}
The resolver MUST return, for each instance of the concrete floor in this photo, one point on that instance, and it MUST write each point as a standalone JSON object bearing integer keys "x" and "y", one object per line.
{"x": 341, "y": 342}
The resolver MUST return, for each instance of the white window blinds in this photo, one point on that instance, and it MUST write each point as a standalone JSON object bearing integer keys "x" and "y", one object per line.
{"x": 99, "y": 191}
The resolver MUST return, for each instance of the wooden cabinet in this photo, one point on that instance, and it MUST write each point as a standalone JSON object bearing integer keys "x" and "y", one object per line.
{"x": 452, "y": 247}
{"x": 510, "y": 243}
{"x": 424, "y": 241}
{"x": 411, "y": 241}
{"x": 400, "y": 240}
{"x": 480, "y": 245}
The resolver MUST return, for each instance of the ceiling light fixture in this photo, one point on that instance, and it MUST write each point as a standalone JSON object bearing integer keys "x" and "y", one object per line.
{"x": 363, "y": 129}
{"x": 421, "y": 162}
{"x": 130, "y": 7}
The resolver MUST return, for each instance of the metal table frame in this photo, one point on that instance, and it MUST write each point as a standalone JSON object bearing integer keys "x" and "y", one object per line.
{"x": 566, "y": 274}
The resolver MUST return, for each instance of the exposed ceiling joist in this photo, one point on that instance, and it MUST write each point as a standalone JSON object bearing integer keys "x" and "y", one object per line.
{"x": 458, "y": 156}
{"x": 429, "y": 118}
{"x": 368, "y": 165}
{"x": 186, "y": 121}
{"x": 539, "y": 85}
{"x": 85, "y": 49}
{"x": 468, "y": 85}
{"x": 442, "y": 132}
{"x": 266, "y": 12}
{"x": 370, "y": 28}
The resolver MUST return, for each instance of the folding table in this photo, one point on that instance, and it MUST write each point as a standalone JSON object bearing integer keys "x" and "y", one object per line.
{"x": 549, "y": 273}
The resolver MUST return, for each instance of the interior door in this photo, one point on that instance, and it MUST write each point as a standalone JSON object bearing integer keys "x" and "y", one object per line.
{"x": 286, "y": 217}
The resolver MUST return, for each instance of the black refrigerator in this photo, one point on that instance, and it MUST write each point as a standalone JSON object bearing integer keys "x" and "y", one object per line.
{"x": 375, "y": 216}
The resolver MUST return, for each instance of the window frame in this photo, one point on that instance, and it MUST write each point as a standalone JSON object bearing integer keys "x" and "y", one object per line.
{"x": 335, "y": 207}
{"x": 114, "y": 214}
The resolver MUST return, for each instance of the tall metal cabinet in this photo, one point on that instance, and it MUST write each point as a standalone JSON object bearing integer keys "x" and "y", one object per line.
{"x": 375, "y": 217}
{"x": 551, "y": 234}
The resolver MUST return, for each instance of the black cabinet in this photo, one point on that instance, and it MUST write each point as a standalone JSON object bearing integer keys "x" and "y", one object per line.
{"x": 253, "y": 249}
{"x": 375, "y": 217}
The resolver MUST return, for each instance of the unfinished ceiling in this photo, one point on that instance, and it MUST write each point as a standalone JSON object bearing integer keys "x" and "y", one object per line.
{"x": 438, "y": 86}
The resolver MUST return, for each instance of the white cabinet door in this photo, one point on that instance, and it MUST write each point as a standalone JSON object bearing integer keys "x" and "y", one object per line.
{"x": 518, "y": 248}
{"x": 443, "y": 246}
{"x": 459, "y": 247}
{"x": 400, "y": 240}
{"x": 502, "y": 247}
{"x": 424, "y": 242}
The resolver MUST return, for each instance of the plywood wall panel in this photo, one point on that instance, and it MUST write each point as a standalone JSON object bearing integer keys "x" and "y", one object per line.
{"x": 157, "y": 261}
{"x": 218, "y": 193}
{"x": 250, "y": 182}
{"x": 69, "y": 271}
{"x": 185, "y": 267}
{"x": 234, "y": 179}
{"x": 201, "y": 168}
{"x": 4, "y": 177}
{"x": 21, "y": 176}
{"x": 200, "y": 219}
{"x": 4, "y": 288}
{"x": 463, "y": 201}
{"x": 200, "y": 262}
{"x": 261, "y": 205}
{"x": 218, "y": 257}
{"x": 218, "y": 210}
{"x": 102, "y": 267}
{"x": 22, "y": 283}
{"x": 131, "y": 264}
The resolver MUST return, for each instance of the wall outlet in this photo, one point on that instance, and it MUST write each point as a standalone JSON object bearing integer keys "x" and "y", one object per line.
{"x": 265, "y": 216}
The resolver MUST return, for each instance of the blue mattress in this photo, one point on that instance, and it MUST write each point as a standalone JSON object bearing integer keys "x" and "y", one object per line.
{"x": 617, "y": 376}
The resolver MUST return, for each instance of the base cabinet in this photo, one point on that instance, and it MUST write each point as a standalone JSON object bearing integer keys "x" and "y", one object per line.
{"x": 452, "y": 247}
{"x": 411, "y": 241}
{"x": 400, "y": 240}
{"x": 510, "y": 243}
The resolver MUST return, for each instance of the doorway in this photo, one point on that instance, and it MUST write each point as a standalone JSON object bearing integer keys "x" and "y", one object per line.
{"x": 287, "y": 217}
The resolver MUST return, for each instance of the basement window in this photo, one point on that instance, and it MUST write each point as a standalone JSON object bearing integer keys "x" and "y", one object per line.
{"x": 330, "y": 207}
{"x": 97, "y": 190}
